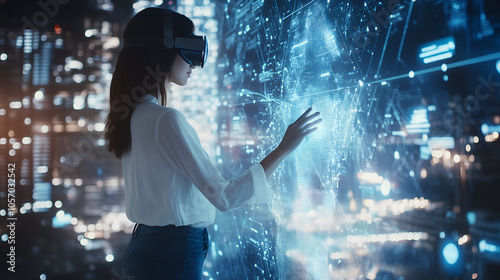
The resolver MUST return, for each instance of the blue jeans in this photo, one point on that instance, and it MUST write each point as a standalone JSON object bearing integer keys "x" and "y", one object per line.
{"x": 165, "y": 252}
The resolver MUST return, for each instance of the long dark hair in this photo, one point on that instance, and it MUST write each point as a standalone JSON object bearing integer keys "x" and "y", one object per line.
{"x": 140, "y": 71}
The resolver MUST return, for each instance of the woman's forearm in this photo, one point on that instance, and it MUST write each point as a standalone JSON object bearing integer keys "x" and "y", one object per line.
{"x": 271, "y": 161}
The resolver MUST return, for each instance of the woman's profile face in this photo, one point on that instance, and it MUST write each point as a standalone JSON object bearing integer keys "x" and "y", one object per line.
{"x": 180, "y": 72}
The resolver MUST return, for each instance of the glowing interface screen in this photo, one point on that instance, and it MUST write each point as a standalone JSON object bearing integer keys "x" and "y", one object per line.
{"x": 407, "y": 94}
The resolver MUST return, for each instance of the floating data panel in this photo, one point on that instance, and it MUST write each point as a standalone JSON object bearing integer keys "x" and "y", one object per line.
{"x": 409, "y": 96}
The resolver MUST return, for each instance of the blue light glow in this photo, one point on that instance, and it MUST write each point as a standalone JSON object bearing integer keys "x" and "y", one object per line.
{"x": 61, "y": 219}
{"x": 42, "y": 196}
{"x": 396, "y": 155}
{"x": 485, "y": 246}
{"x": 471, "y": 218}
{"x": 419, "y": 122}
{"x": 450, "y": 253}
{"x": 444, "y": 142}
{"x": 438, "y": 50}
{"x": 382, "y": 112}
{"x": 486, "y": 128}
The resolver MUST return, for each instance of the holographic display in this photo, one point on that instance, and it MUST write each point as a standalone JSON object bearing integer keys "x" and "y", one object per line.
{"x": 387, "y": 186}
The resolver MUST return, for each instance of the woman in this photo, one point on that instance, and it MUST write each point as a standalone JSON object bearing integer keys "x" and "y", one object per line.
{"x": 171, "y": 185}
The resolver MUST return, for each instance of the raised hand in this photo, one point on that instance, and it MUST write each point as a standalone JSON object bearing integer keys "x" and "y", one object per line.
{"x": 297, "y": 131}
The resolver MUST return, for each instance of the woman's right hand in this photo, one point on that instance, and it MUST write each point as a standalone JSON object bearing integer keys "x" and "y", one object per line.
{"x": 297, "y": 131}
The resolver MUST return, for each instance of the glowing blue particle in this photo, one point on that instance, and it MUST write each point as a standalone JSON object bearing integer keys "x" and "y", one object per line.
{"x": 5, "y": 237}
{"x": 411, "y": 74}
{"x": 451, "y": 45}
{"x": 445, "y": 78}
{"x": 396, "y": 155}
{"x": 444, "y": 67}
{"x": 442, "y": 234}
{"x": 485, "y": 129}
{"x": 498, "y": 66}
{"x": 482, "y": 245}
{"x": 471, "y": 218}
{"x": 450, "y": 253}
{"x": 412, "y": 173}
{"x": 385, "y": 188}
{"x": 360, "y": 83}
{"x": 43, "y": 276}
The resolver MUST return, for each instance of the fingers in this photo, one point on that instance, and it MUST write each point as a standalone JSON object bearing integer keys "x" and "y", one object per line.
{"x": 305, "y": 114}
{"x": 307, "y": 126}
{"x": 307, "y": 132}
{"x": 297, "y": 131}
{"x": 304, "y": 118}
{"x": 307, "y": 120}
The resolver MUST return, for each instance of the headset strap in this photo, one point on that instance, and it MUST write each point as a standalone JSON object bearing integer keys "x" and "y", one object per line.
{"x": 130, "y": 42}
{"x": 167, "y": 28}
{"x": 195, "y": 44}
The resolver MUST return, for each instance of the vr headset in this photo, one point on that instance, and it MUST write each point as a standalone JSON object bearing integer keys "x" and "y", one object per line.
{"x": 192, "y": 48}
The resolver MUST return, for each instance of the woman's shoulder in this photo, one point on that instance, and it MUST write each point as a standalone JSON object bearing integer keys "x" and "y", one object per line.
{"x": 172, "y": 115}
{"x": 149, "y": 112}
{"x": 169, "y": 112}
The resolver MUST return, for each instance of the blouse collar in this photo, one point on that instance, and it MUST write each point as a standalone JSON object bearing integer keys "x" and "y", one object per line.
{"x": 151, "y": 98}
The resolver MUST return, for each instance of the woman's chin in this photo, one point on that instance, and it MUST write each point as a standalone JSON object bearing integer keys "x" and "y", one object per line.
{"x": 183, "y": 83}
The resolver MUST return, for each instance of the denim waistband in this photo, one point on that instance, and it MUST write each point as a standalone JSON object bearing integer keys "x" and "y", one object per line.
{"x": 192, "y": 231}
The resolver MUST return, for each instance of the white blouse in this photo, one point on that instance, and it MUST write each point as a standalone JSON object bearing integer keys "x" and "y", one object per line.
{"x": 170, "y": 179}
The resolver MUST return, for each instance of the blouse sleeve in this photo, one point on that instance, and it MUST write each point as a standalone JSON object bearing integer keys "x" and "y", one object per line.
{"x": 180, "y": 146}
